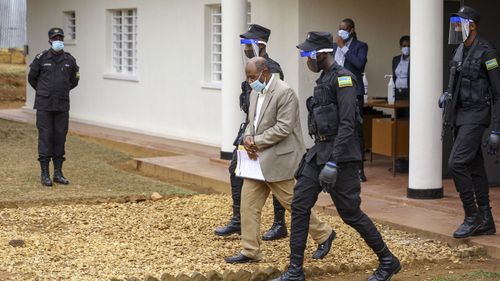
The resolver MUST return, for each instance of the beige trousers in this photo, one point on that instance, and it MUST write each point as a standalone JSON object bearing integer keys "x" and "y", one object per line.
{"x": 253, "y": 197}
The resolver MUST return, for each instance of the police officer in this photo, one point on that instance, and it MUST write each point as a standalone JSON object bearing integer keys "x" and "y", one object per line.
{"x": 472, "y": 102}
{"x": 331, "y": 164}
{"x": 53, "y": 73}
{"x": 254, "y": 43}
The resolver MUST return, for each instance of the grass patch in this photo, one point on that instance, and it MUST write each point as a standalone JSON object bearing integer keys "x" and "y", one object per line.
{"x": 91, "y": 167}
{"x": 478, "y": 275}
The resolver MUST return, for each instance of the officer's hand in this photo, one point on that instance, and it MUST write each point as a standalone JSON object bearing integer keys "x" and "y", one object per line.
{"x": 492, "y": 143}
{"x": 445, "y": 97}
{"x": 250, "y": 147}
{"x": 339, "y": 41}
{"x": 328, "y": 176}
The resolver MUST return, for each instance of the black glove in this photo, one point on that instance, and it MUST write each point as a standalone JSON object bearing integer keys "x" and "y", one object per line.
{"x": 328, "y": 176}
{"x": 492, "y": 143}
{"x": 445, "y": 97}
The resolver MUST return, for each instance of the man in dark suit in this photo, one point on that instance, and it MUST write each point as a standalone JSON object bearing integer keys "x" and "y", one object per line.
{"x": 401, "y": 69}
{"x": 352, "y": 54}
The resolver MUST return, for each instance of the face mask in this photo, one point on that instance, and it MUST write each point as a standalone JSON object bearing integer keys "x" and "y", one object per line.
{"x": 312, "y": 64}
{"x": 257, "y": 85}
{"x": 57, "y": 45}
{"x": 405, "y": 51}
{"x": 343, "y": 34}
{"x": 249, "y": 54}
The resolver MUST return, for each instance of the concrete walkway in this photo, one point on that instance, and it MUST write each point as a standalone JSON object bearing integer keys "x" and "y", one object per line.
{"x": 384, "y": 196}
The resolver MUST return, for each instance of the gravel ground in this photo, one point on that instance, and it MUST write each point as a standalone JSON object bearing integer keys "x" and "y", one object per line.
{"x": 175, "y": 235}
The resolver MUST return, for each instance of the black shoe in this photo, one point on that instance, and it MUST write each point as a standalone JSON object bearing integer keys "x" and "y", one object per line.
{"x": 361, "y": 173}
{"x": 239, "y": 258}
{"x": 44, "y": 176}
{"x": 472, "y": 222}
{"x": 294, "y": 271}
{"x": 277, "y": 231}
{"x": 231, "y": 227}
{"x": 488, "y": 226}
{"x": 388, "y": 266}
{"x": 324, "y": 247}
{"x": 58, "y": 175}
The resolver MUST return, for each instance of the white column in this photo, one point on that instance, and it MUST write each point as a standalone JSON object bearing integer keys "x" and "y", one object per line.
{"x": 425, "y": 174}
{"x": 234, "y": 23}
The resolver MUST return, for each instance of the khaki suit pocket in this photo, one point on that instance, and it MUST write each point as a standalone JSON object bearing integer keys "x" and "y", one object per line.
{"x": 283, "y": 148}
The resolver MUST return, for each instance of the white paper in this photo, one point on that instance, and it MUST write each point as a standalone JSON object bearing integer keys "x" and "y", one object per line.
{"x": 248, "y": 168}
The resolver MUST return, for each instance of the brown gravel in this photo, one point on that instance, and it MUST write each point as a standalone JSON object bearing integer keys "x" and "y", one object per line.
{"x": 175, "y": 235}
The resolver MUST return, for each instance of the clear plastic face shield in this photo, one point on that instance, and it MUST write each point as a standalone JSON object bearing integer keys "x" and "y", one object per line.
{"x": 459, "y": 30}
{"x": 250, "y": 48}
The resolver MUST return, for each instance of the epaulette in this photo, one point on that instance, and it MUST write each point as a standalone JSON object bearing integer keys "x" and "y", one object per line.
{"x": 41, "y": 54}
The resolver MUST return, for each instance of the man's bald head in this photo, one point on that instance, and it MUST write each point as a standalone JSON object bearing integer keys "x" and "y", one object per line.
{"x": 257, "y": 67}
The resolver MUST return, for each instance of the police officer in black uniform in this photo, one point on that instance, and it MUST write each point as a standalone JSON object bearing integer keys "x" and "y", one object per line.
{"x": 472, "y": 103}
{"x": 331, "y": 164}
{"x": 254, "y": 41}
{"x": 53, "y": 73}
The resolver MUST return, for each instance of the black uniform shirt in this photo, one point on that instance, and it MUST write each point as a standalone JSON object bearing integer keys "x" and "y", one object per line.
{"x": 480, "y": 86}
{"x": 53, "y": 75}
{"x": 345, "y": 146}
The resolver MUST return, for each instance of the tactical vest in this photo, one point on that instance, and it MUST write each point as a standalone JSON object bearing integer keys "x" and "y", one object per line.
{"x": 323, "y": 117}
{"x": 474, "y": 85}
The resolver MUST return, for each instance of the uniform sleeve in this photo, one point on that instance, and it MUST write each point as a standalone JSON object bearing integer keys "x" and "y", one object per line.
{"x": 358, "y": 59}
{"x": 286, "y": 121}
{"x": 492, "y": 65}
{"x": 75, "y": 76}
{"x": 34, "y": 73}
{"x": 346, "y": 98}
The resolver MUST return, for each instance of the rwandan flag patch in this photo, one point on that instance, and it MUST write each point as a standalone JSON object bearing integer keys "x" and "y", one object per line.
{"x": 491, "y": 64}
{"x": 345, "y": 81}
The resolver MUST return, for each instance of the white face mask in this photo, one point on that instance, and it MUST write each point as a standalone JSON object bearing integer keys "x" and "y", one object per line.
{"x": 405, "y": 51}
{"x": 57, "y": 45}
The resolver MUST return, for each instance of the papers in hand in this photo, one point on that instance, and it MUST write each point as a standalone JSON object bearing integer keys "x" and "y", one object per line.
{"x": 248, "y": 168}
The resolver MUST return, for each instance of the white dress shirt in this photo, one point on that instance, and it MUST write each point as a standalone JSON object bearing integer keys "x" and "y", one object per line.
{"x": 260, "y": 101}
{"x": 340, "y": 53}
{"x": 402, "y": 74}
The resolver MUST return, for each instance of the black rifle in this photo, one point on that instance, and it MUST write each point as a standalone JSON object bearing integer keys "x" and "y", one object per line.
{"x": 450, "y": 96}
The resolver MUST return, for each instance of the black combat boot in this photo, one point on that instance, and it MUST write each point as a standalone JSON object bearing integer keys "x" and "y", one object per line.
{"x": 233, "y": 226}
{"x": 58, "y": 175}
{"x": 278, "y": 229}
{"x": 45, "y": 176}
{"x": 472, "y": 222}
{"x": 294, "y": 271}
{"x": 388, "y": 266}
{"x": 488, "y": 226}
{"x": 361, "y": 174}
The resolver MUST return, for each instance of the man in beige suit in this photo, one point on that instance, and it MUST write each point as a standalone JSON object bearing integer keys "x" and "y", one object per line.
{"x": 274, "y": 136}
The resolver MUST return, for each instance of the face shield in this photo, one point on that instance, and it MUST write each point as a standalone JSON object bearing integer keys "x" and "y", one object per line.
{"x": 250, "y": 48}
{"x": 459, "y": 30}
{"x": 312, "y": 58}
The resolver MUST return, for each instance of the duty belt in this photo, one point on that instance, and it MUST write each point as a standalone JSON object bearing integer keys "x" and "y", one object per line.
{"x": 319, "y": 138}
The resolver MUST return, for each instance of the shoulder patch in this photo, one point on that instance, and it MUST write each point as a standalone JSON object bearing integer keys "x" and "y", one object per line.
{"x": 491, "y": 64}
{"x": 344, "y": 81}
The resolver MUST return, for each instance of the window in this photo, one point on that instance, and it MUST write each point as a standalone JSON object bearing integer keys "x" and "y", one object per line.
{"x": 70, "y": 26}
{"x": 216, "y": 42}
{"x": 124, "y": 42}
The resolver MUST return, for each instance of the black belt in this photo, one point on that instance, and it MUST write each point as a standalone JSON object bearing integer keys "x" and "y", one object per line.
{"x": 318, "y": 138}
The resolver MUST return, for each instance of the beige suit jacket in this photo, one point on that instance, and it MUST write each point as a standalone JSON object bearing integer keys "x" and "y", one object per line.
{"x": 278, "y": 135}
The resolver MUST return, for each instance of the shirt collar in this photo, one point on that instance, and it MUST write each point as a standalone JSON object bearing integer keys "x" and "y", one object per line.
{"x": 266, "y": 89}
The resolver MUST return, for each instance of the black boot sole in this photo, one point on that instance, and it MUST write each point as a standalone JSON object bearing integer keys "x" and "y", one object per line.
{"x": 225, "y": 234}
{"x": 487, "y": 232}
{"x": 278, "y": 237}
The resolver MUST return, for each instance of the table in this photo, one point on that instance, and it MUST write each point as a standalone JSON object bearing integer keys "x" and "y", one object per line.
{"x": 399, "y": 104}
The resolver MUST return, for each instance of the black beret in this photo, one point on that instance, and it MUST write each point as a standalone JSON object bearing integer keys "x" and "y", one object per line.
{"x": 256, "y": 31}
{"x": 317, "y": 40}
{"x": 468, "y": 13}
{"x": 55, "y": 31}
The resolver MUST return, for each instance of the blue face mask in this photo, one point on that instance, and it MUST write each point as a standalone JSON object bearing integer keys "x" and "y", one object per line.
{"x": 57, "y": 45}
{"x": 257, "y": 85}
{"x": 343, "y": 34}
{"x": 405, "y": 51}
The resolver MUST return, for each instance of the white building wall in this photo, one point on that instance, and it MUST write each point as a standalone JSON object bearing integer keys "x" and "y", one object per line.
{"x": 168, "y": 100}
